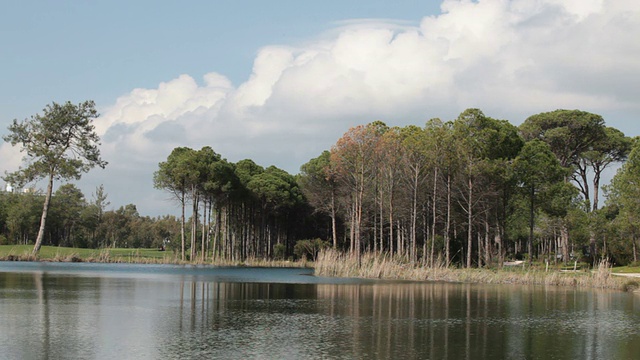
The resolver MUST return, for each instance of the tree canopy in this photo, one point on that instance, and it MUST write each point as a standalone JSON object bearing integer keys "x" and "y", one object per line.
{"x": 59, "y": 144}
{"x": 472, "y": 191}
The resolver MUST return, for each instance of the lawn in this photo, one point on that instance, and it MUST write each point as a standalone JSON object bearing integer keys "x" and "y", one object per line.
{"x": 626, "y": 269}
{"x": 55, "y": 253}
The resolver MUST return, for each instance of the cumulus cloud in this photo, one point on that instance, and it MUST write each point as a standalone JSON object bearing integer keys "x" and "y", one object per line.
{"x": 509, "y": 58}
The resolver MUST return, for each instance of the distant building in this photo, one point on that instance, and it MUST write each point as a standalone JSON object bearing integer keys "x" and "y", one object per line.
{"x": 10, "y": 189}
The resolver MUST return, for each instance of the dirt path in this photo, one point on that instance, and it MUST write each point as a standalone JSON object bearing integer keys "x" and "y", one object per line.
{"x": 627, "y": 274}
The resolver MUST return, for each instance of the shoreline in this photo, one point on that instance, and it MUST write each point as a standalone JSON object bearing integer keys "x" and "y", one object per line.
{"x": 371, "y": 266}
{"x": 145, "y": 261}
{"x": 330, "y": 263}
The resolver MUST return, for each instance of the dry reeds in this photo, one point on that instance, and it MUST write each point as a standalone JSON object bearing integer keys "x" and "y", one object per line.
{"x": 332, "y": 263}
{"x": 258, "y": 262}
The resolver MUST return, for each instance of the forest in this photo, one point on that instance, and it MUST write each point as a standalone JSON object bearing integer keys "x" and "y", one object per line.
{"x": 471, "y": 192}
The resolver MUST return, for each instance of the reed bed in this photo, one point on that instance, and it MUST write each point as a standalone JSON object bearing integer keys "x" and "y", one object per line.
{"x": 332, "y": 263}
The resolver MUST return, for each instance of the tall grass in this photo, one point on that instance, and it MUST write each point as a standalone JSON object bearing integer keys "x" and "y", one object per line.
{"x": 383, "y": 266}
{"x": 257, "y": 262}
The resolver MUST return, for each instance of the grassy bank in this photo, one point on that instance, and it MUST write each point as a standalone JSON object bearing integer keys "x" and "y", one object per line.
{"x": 333, "y": 263}
{"x": 66, "y": 254}
{"x": 123, "y": 255}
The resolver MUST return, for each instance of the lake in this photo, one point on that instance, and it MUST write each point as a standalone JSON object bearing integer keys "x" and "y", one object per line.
{"x": 124, "y": 311}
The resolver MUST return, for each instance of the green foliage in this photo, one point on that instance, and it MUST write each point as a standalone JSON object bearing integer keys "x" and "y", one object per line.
{"x": 316, "y": 181}
{"x": 468, "y": 189}
{"x": 73, "y": 221}
{"x": 624, "y": 192}
{"x": 275, "y": 188}
{"x": 279, "y": 251}
{"x": 60, "y": 144}
{"x": 177, "y": 173}
{"x": 309, "y": 248}
{"x": 569, "y": 133}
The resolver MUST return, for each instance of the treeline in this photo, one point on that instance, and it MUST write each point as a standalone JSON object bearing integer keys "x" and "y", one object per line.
{"x": 77, "y": 222}
{"x": 473, "y": 191}
{"x": 476, "y": 190}
{"x": 237, "y": 210}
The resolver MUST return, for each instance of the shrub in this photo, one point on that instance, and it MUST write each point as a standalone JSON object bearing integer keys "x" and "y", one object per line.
{"x": 631, "y": 285}
{"x": 279, "y": 251}
{"x": 309, "y": 248}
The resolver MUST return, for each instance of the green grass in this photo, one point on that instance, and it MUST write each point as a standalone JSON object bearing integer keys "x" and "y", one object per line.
{"x": 626, "y": 269}
{"x": 53, "y": 253}
{"x": 122, "y": 255}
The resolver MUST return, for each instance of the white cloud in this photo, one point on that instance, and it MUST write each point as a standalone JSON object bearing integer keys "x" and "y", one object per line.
{"x": 11, "y": 158}
{"x": 509, "y": 58}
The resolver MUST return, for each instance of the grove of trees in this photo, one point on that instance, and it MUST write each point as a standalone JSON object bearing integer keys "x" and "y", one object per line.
{"x": 472, "y": 192}
{"x": 238, "y": 210}
{"x": 476, "y": 190}
{"x": 76, "y": 221}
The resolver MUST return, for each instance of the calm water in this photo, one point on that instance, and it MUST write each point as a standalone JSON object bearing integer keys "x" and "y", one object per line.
{"x": 108, "y": 311}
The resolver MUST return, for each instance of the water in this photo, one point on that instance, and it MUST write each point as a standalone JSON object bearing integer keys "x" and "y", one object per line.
{"x": 111, "y": 311}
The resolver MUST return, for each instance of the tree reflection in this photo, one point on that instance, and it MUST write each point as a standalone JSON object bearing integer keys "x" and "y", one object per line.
{"x": 403, "y": 320}
{"x": 62, "y": 316}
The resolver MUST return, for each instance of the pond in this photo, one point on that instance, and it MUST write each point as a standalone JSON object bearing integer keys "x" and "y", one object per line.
{"x": 124, "y": 311}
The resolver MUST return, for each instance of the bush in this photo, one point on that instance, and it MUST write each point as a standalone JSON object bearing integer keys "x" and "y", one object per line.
{"x": 279, "y": 251}
{"x": 309, "y": 248}
{"x": 631, "y": 285}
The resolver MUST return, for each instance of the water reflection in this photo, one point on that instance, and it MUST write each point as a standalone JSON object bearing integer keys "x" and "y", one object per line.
{"x": 410, "y": 320}
{"x": 44, "y": 315}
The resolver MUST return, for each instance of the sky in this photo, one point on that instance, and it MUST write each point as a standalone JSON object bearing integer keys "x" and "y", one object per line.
{"x": 280, "y": 81}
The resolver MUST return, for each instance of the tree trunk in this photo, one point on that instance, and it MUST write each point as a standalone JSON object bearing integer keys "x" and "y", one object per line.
{"x": 596, "y": 190}
{"x": 194, "y": 225}
{"x": 391, "y": 221}
{"x": 204, "y": 233}
{"x": 469, "y": 225}
{"x": 182, "y": 224}
{"x": 334, "y": 232}
{"x": 487, "y": 242}
{"x": 414, "y": 217}
{"x": 216, "y": 233}
{"x": 564, "y": 236}
{"x": 434, "y": 214}
{"x": 498, "y": 241}
{"x": 352, "y": 229}
{"x": 425, "y": 236}
{"x": 635, "y": 252}
{"x": 43, "y": 219}
{"x": 480, "y": 248}
{"x": 592, "y": 246}
{"x": 592, "y": 235}
{"x": 381, "y": 237}
{"x": 448, "y": 224}
{"x": 359, "y": 206}
{"x": 531, "y": 222}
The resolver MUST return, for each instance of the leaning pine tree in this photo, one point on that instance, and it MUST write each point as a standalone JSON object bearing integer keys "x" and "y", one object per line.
{"x": 59, "y": 144}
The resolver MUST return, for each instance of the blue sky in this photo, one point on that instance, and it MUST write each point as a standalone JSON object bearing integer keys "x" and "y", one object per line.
{"x": 280, "y": 81}
{"x": 74, "y": 50}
